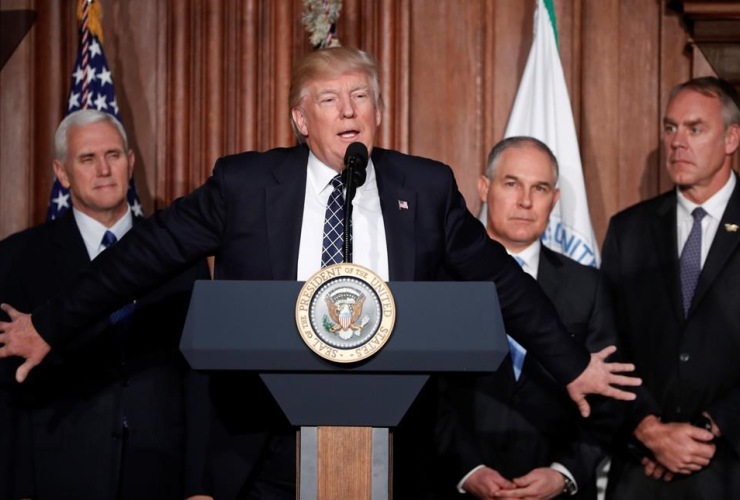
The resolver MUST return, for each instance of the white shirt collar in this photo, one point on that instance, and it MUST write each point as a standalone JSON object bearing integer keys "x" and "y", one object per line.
{"x": 714, "y": 206}
{"x": 531, "y": 258}
{"x": 320, "y": 176}
{"x": 92, "y": 231}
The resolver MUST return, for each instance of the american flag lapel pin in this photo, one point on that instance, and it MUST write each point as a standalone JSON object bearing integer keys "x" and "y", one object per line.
{"x": 403, "y": 205}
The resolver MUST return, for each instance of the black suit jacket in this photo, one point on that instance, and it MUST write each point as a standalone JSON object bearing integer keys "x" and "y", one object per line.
{"x": 517, "y": 426}
{"x": 10, "y": 249}
{"x": 688, "y": 365}
{"x": 249, "y": 214}
{"x": 75, "y": 403}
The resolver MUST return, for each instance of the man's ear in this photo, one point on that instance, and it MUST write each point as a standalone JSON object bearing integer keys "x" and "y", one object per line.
{"x": 483, "y": 185}
{"x": 732, "y": 138}
{"x": 131, "y": 159}
{"x": 555, "y": 198}
{"x": 61, "y": 174}
{"x": 300, "y": 120}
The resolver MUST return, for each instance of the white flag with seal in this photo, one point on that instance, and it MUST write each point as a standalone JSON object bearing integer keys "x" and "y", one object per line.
{"x": 542, "y": 110}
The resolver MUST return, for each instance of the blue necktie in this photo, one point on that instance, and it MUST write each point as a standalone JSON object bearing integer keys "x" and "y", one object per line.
{"x": 125, "y": 312}
{"x": 690, "y": 260}
{"x": 108, "y": 239}
{"x": 516, "y": 351}
{"x": 331, "y": 252}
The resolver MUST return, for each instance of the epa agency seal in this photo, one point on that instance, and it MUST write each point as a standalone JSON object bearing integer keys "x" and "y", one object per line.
{"x": 345, "y": 313}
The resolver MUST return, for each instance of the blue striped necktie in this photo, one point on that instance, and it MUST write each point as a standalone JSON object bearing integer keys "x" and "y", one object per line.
{"x": 516, "y": 351}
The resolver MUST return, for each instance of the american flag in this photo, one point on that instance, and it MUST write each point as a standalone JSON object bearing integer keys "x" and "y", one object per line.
{"x": 92, "y": 87}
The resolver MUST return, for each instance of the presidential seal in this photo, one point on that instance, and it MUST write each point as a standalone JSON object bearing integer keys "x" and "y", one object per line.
{"x": 345, "y": 313}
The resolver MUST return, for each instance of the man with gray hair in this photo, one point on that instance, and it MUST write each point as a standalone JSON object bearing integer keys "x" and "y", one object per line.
{"x": 108, "y": 416}
{"x": 514, "y": 433}
{"x": 672, "y": 264}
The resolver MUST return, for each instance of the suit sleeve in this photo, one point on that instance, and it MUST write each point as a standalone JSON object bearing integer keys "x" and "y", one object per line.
{"x": 725, "y": 412}
{"x": 16, "y": 464}
{"x": 151, "y": 252}
{"x": 528, "y": 314}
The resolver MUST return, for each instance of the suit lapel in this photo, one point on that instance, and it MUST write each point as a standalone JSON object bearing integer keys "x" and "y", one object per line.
{"x": 284, "y": 211}
{"x": 724, "y": 244}
{"x": 70, "y": 252}
{"x": 399, "y": 223}
{"x": 547, "y": 272}
{"x": 666, "y": 244}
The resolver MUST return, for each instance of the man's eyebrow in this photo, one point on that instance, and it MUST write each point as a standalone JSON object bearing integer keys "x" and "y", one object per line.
{"x": 330, "y": 90}
{"x": 688, "y": 123}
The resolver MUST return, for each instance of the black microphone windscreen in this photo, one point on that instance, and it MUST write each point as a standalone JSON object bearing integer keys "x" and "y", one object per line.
{"x": 356, "y": 155}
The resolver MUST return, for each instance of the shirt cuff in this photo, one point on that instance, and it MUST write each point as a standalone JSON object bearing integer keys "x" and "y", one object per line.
{"x": 465, "y": 478}
{"x": 561, "y": 469}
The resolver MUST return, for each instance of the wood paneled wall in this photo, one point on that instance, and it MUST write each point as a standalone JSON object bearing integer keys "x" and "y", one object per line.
{"x": 199, "y": 79}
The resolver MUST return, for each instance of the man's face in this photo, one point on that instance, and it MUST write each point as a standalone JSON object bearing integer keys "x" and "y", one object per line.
{"x": 696, "y": 143}
{"x": 520, "y": 197}
{"x": 97, "y": 170}
{"x": 336, "y": 112}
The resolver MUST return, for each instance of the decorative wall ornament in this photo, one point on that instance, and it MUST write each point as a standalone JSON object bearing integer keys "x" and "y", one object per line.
{"x": 319, "y": 18}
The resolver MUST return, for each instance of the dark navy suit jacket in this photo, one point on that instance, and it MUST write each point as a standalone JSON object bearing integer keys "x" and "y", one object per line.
{"x": 515, "y": 426}
{"x": 70, "y": 434}
{"x": 249, "y": 215}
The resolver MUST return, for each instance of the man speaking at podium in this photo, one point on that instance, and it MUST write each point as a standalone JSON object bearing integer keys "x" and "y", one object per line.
{"x": 272, "y": 216}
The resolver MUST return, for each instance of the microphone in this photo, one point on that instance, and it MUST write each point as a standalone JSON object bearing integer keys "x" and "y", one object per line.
{"x": 353, "y": 175}
{"x": 355, "y": 162}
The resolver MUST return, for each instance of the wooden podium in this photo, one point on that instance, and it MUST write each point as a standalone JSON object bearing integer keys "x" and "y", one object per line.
{"x": 344, "y": 411}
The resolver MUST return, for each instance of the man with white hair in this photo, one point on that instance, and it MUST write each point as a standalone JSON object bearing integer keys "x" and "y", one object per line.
{"x": 109, "y": 415}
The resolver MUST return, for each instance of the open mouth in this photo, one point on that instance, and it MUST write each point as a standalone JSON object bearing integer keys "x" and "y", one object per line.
{"x": 349, "y": 134}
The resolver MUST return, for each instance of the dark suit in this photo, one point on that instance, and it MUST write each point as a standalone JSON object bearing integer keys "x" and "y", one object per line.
{"x": 10, "y": 249}
{"x": 687, "y": 365}
{"x": 249, "y": 214}
{"x": 74, "y": 405}
{"x": 517, "y": 426}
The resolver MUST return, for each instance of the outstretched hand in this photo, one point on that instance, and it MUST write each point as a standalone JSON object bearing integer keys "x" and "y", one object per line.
{"x": 600, "y": 377}
{"x": 20, "y": 338}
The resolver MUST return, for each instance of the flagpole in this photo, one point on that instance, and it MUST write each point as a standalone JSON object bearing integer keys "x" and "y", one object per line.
{"x": 85, "y": 53}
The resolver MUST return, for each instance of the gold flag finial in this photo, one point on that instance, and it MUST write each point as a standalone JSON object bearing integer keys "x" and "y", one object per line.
{"x": 94, "y": 15}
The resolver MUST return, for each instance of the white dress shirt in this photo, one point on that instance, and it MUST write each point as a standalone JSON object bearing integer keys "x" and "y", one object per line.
{"x": 715, "y": 208}
{"x": 92, "y": 231}
{"x": 530, "y": 258}
{"x": 368, "y": 240}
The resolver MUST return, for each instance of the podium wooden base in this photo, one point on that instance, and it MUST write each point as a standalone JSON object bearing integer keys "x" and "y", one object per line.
{"x": 339, "y": 463}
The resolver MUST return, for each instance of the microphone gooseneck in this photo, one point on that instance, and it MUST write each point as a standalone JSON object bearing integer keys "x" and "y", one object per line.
{"x": 354, "y": 175}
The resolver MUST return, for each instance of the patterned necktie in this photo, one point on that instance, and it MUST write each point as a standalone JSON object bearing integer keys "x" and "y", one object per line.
{"x": 125, "y": 312}
{"x": 333, "y": 240}
{"x": 690, "y": 260}
{"x": 516, "y": 351}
